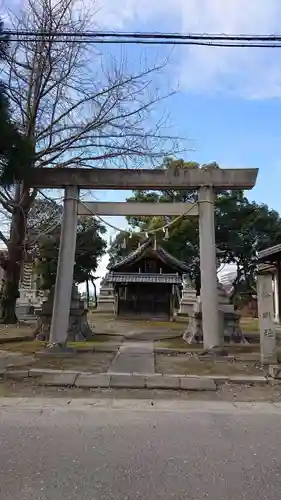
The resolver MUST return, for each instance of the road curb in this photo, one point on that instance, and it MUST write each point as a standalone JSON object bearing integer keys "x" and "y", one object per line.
{"x": 70, "y": 378}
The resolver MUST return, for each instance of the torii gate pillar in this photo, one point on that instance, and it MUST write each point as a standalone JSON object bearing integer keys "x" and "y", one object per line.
{"x": 208, "y": 269}
{"x": 64, "y": 278}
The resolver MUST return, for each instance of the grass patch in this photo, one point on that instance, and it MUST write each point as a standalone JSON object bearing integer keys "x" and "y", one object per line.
{"x": 25, "y": 347}
{"x": 179, "y": 343}
{"x": 11, "y": 331}
{"x": 98, "y": 339}
{"x": 33, "y": 346}
{"x": 81, "y": 362}
{"x": 77, "y": 344}
{"x": 166, "y": 325}
{"x": 176, "y": 343}
{"x": 190, "y": 365}
{"x": 98, "y": 318}
{"x": 249, "y": 325}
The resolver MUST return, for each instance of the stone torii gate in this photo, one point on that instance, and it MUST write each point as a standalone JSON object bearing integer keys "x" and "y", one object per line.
{"x": 206, "y": 180}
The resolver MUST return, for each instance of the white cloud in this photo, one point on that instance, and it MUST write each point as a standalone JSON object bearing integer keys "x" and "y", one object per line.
{"x": 252, "y": 73}
{"x": 120, "y": 15}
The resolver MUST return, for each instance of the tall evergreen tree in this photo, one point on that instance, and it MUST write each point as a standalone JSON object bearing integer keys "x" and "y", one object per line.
{"x": 15, "y": 160}
{"x": 15, "y": 150}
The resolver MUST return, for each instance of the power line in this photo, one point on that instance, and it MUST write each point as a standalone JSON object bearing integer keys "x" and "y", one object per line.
{"x": 155, "y": 42}
{"x": 148, "y": 35}
{"x": 150, "y": 38}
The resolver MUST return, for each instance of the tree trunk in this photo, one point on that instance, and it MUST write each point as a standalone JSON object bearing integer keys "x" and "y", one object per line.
{"x": 13, "y": 264}
{"x": 95, "y": 295}
{"x": 87, "y": 294}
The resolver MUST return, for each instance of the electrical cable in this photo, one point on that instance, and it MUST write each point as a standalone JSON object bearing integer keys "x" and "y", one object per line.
{"x": 144, "y": 35}
{"x": 151, "y": 38}
{"x": 165, "y": 42}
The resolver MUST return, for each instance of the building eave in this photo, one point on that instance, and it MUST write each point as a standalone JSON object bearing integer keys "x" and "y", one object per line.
{"x": 124, "y": 278}
{"x": 162, "y": 254}
{"x": 270, "y": 253}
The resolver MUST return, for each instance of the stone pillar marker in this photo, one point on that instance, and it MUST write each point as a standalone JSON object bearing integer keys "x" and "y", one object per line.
{"x": 188, "y": 298}
{"x": 276, "y": 299}
{"x": 209, "y": 296}
{"x": 266, "y": 319}
{"x": 64, "y": 279}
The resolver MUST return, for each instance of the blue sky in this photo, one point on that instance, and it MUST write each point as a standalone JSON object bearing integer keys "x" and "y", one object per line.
{"x": 228, "y": 105}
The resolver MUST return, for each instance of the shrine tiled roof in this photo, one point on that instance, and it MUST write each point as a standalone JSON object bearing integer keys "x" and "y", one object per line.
{"x": 270, "y": 253}
{"x": 159, "y": 252}
{"x": 114, "y": 277}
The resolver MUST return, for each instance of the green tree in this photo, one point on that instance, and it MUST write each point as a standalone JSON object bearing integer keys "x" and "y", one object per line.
{"x": 90, "y": 247}
{"x": 122, "y": 245}
{"x": 15, "y": 149}
{"x": 15, "y": 160}
{"x": 242, "y": 228}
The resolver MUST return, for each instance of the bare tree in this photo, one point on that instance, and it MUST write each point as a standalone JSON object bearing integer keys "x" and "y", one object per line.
{"x": 77, "y": 107}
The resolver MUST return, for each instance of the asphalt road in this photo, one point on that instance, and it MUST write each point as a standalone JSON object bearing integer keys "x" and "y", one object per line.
{"x": 125, "y": 450}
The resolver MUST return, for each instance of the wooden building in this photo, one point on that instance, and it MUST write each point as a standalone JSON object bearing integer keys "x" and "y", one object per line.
{"x": 270, "y": 260}
{"x": 147, "y": 282}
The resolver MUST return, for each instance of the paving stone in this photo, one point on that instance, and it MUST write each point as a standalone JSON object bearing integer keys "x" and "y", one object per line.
{"x": 58, "y": 379}
{"x": 90, "y": 380}
{"x": 127, "y": 380}
{"x": 216, "y": 378}
{"x": 130, "y": 363}
{"x": 137, "y": 348}
{"x": 37, "y": 372}
{"x": 244, "y": 379}
{"x": 16, "y": 374}
{"x": 197, "y": 384}
{"x": 158, "y": 381}
{"x": 134, "y": 357}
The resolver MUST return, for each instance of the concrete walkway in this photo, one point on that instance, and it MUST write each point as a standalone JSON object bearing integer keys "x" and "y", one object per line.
{"x": 134, "y": 357}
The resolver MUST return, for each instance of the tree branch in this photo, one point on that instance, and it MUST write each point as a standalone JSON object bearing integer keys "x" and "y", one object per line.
{"x": 3, "y": 238}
